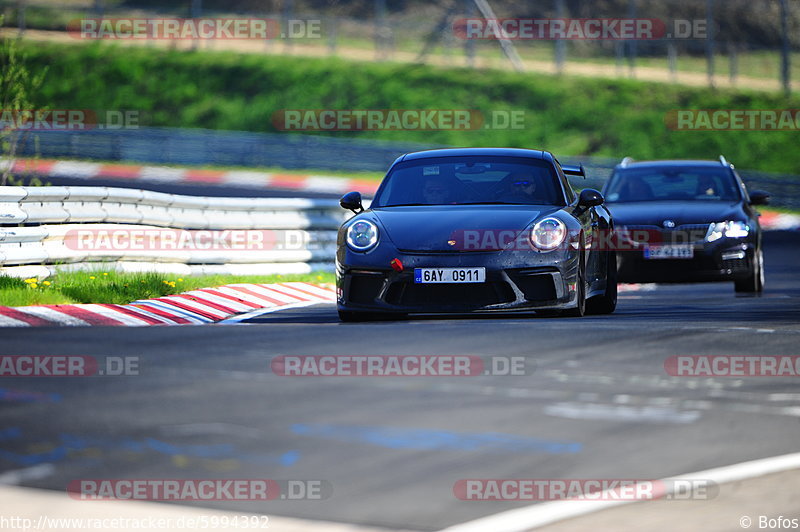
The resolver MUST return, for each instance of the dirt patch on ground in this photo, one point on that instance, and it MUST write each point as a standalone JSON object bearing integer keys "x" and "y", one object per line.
{"x": 583, "y": 69}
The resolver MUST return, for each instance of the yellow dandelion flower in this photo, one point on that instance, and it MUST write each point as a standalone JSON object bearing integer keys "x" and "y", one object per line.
{"x": 180, "y": 280}
{"x": 34, "y": 285}
{"x": 92, "y": 277}
{"x": 46, "y": 283}
{"x": 105, "y": 273}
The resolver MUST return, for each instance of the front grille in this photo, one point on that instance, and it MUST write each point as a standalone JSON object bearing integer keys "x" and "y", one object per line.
{"x": 682, "y": 234}
{"x": 364, "y": 288}
{"x": 736, "y": 264}
{"x": 411, "y": 294}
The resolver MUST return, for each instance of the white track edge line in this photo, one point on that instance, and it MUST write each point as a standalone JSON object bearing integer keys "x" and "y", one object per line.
{"x": 538, "y": 515}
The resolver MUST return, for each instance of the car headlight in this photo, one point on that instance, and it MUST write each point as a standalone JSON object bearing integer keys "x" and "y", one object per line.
{"x": 362, "y": 235}
{"x": 729, "y": 229}
{"x": 548, "y": 234}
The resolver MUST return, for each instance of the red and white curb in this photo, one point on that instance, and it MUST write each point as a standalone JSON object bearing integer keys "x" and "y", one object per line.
{"x": 171, "y": 175}
{"x": 775, "y": 221}
{"x": 636, "y": 287}
{"x": 229, "y": 303}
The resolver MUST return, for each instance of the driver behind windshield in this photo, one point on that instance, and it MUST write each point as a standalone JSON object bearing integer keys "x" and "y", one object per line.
{"x": 519, "y": 187}
{"x": 706, "y": 186}
{"x": 435, "y": 191}
{"x": 636, "y": 189}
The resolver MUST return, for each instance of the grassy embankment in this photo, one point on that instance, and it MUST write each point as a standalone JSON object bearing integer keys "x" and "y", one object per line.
{"x": 112, "y": 287}
{"x": 566, "y": 115}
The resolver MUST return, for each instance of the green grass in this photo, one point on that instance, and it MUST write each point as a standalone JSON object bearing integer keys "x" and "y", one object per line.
{"x": 120, "y": 288}
{"x": 566, "y": 115}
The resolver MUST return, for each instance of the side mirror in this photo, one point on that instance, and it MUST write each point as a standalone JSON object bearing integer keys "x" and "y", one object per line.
{"x": 352, "y": 202}
{"x": 590, "y": 198}
{"x": 759, "y": 197}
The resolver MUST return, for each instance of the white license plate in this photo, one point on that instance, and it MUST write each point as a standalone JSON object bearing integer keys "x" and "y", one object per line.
{"x": 449, "y": 275}
{"x": 669, "y": 252}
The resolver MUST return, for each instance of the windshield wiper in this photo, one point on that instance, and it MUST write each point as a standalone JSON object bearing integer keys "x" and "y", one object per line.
{"x": 450, "y": 204}
{"x": 495, "y": 203}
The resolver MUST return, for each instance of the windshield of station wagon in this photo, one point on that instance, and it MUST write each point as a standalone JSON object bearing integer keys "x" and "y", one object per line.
{"x": 672, "y": 184}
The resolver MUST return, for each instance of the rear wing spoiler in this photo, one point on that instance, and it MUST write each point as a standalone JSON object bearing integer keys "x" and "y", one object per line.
{"x": 571, "y": 169}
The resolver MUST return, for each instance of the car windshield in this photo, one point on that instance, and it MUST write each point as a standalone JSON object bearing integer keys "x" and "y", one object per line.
{"x": 670, "y": 184}
{"x": 471, "y": 181}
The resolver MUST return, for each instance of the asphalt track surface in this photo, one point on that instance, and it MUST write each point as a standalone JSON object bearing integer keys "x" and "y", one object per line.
{"x": 597, "y": 404}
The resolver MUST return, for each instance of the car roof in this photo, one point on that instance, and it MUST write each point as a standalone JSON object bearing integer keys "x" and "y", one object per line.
{"x": 465, "y": 152}
{"x": 672, "y": 163}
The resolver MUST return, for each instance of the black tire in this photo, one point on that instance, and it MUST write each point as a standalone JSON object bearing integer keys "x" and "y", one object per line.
{"x": 607, "y": 302}
{"x": 580, "y": 310}
{"x": 754, "y": 284}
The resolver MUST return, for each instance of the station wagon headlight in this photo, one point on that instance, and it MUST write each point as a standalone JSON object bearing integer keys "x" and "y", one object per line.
{"x": 362, "y": 235}
{"x": 548, "y": 234}
{"x": 729, "y": 229}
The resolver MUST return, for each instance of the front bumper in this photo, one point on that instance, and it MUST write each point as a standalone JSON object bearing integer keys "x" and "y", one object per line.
{"x": 725, "y": 260}
{"x": 514, "y": 281}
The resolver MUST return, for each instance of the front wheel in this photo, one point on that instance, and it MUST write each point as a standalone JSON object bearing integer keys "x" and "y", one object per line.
{"x": 754, "y": 283}
{"x": 580, "y": 286}
{"x": 607, "y": 302}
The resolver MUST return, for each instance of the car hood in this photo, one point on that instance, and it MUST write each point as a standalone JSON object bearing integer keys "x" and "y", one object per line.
{"x": 429, "y": 228}
{"x": 680, "y": 212}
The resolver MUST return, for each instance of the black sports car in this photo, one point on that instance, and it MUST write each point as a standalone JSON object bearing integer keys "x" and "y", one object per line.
{"x": 479, "y": 229}
{"x": 686, "y": 221}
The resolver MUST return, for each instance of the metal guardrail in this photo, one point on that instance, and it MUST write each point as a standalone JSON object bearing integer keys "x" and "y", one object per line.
{"x": 45, "y": 225}
{"x": 203, "y": 147}
{"x": 294, "y": 151}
